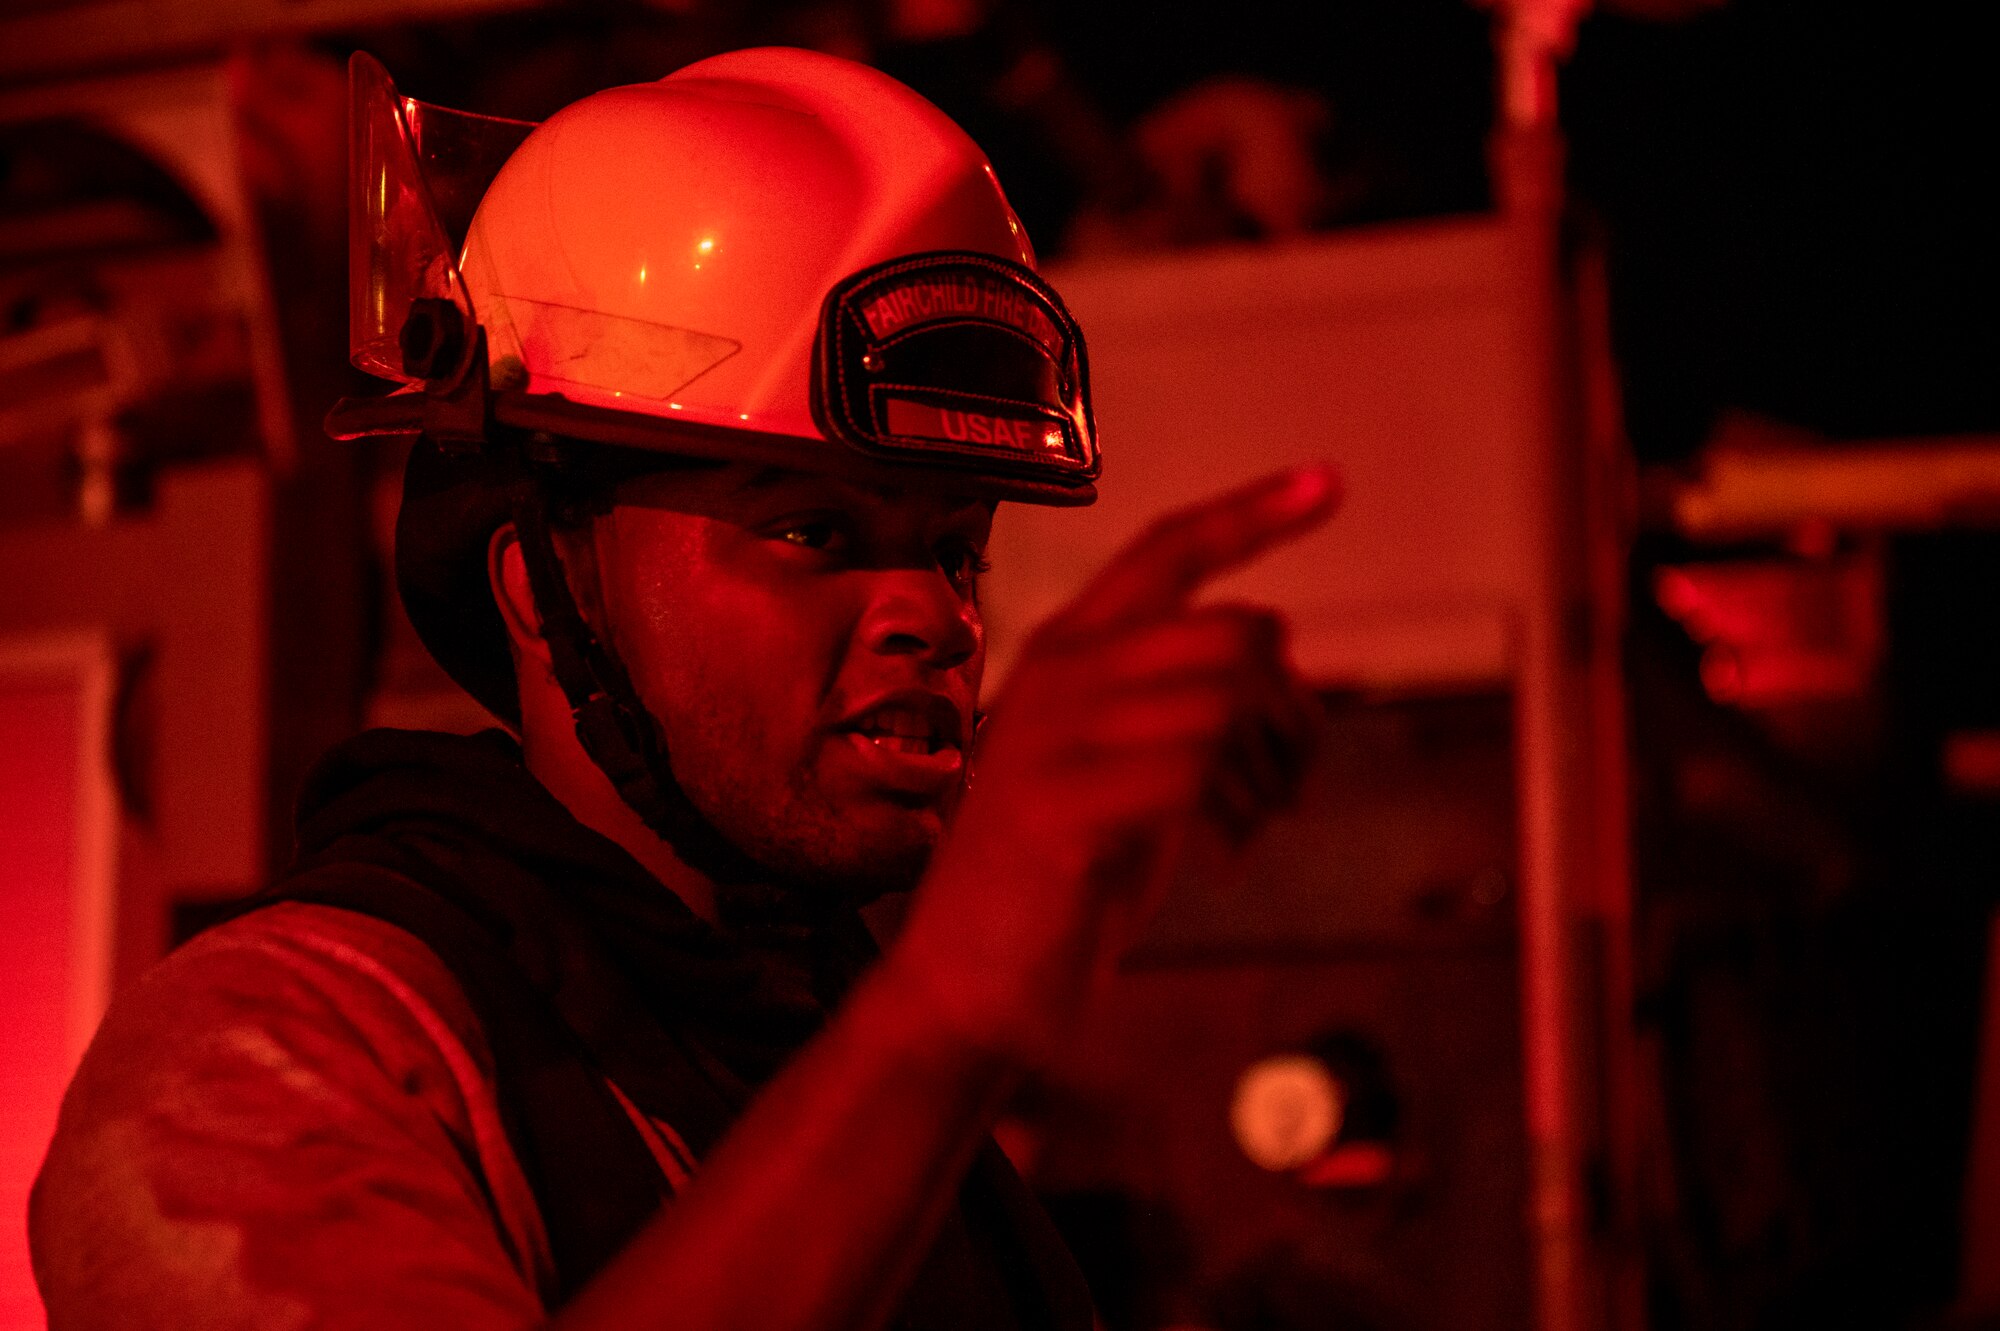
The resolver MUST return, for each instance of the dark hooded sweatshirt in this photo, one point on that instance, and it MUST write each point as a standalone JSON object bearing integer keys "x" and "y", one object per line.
{"x": 583, "y": 972}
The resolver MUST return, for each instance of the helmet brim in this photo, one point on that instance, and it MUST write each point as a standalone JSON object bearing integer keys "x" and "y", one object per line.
{"x": 558, "y": 417}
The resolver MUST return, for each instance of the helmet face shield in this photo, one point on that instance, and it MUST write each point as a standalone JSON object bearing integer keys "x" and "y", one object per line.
{"x": 416, "y": 173}
{"x": 958, "y": 360}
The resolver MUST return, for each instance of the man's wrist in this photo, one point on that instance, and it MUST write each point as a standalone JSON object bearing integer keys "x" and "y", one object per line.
{"x": 911, "y": 1009}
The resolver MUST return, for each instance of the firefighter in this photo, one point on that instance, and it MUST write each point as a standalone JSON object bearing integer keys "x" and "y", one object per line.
{"x": 574, "y": 1022}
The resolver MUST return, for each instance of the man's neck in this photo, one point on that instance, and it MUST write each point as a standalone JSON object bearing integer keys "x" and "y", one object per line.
{"x": 555, "y": 758}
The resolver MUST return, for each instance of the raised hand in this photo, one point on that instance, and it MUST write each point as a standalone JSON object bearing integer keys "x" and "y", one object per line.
{"x": 1135, "y": 723}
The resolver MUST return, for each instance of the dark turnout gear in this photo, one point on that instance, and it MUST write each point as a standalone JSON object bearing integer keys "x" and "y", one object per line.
{"x": 585, "y": 972}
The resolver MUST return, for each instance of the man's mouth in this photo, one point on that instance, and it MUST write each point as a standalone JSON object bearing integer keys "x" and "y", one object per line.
{"x": 911, "y": 740}
{"x": 903, "y": 729}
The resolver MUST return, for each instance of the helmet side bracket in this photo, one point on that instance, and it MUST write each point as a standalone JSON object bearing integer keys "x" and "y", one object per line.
{"x": 453, "y": 406}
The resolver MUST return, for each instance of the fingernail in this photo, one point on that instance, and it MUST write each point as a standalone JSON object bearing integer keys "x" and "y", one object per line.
{"x": 1308, "y": 488}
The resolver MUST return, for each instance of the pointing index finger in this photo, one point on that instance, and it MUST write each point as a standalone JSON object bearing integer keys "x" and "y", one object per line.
{"x": 1170, "y": 560}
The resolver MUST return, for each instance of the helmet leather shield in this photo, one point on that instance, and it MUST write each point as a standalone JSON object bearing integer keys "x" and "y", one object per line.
{"x": 958, "y": 360}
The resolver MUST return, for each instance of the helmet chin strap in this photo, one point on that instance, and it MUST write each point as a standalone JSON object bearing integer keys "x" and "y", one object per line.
{"x": 612, "y": 724}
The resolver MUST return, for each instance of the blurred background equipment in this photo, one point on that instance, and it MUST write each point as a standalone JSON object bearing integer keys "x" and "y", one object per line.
{"x": 1462, "y": 609}
{"x": 59, "y": 861}
{"x": 1629, "y": 951}
{"x": 1308, "y": 1092}
{"x": 144, "y": 410}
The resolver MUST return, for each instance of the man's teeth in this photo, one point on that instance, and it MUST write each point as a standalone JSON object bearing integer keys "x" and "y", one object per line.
{"x": 902, "y": 731}
{"x": 902, "y": 743}
{"x": 908, "y": 725}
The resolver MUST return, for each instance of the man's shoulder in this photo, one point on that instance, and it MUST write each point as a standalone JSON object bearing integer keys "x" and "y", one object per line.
{"x": 293, "y": 994}
{"x": 304, "y": 959}
{"x": 296, "y": 1065}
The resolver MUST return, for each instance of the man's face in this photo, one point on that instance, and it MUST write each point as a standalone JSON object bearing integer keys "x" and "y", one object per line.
{"x": 812, "y": 649}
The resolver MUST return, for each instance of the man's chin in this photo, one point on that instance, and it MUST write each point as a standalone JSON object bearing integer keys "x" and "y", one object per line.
{"x": 857, "y": 857}
{"x": 858, "y": 881}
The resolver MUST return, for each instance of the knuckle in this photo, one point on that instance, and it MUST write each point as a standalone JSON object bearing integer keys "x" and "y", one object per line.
{"x": 1062, "y": 647}
{"x": 1052, "y": 636}
{"x": 1171, "y": 528}
{"x": 1254, "y": 624}
{"x": 1179, "y": 540}
{"x": 1264, "y": 629}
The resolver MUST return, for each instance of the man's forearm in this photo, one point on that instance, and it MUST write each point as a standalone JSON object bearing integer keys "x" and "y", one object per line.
{"x": 816, "y": 1208}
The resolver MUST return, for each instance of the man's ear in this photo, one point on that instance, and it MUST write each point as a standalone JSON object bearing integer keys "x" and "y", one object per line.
{"x": 507, "y": 575}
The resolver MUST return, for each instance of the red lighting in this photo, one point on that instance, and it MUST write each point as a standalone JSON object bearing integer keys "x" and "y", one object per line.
{"x": 1781, "y": 630}
{"x": 44, "y": 788}
{"x": 1972, "y": 762}
{"x": 1351, "y": 1165}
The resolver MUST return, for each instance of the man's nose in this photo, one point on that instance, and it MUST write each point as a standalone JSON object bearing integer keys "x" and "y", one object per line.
{"x": 919, "y": 613}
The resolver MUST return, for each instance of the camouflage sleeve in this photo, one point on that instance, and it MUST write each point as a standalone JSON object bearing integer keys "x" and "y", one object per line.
{"x": 288, "y": 1124}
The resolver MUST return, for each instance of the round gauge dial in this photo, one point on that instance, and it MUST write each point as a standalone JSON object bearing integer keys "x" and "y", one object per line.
{"x": 1287, "y": 1110}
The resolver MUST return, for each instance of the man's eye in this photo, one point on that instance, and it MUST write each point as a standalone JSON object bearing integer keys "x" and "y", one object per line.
{"x": 962, "y": 563}
{"x": 811, "y": 535}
